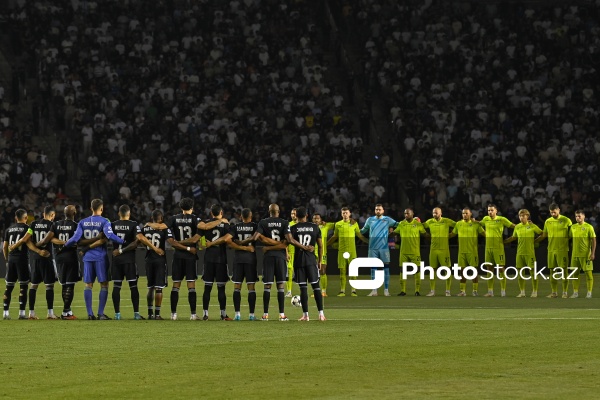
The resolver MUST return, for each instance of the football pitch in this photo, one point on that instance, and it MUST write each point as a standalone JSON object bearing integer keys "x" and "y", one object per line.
{"x": 370, "y": 347}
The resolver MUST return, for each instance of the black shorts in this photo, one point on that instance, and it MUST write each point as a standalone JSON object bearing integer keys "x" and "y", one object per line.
{"x": 67, "y": 270}
{"x": 127, "y": 271}
{"x": 274, "y": 270}
{"x": 42, "y": 270}
{"x": 243, "y": 271}
{"x": 184, "y": 268}
{"x": 215, "y": 272}
{"x": 306, "y": 273}
{"x": 156, "y": 272}
{"x": 17, "y": 270}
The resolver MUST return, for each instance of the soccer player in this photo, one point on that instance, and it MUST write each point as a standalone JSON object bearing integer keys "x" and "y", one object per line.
{"x": 185, "y": 227}
{"x": 42, "y": 269}
{"x": 584, "y": 252}
{"x": 95, "y": 260}
{"x": 272, "y": 232}
{"x": 17, "y": 268}
{"x": 306, "y": 268}
{"x": 325, "y": 227}
{"x": 556, "y": 229}
{"x": 123, "y": 265}
{"x": 467, "y": 230}
{"x": 410, "y": 231}
{"x": 244, "y": 266}
{"x": 215, "y": 262}
{"x": 494, "y": 225}
{"x": 525, "y": 232}
{"x": 65, "y": 259}
{"x": 378, "y": 227}
{"x": 439, "y": 252}
{"x": 156, "y": 262}
{"x": 345, "y": 232}
{"x": 290, "y": 257}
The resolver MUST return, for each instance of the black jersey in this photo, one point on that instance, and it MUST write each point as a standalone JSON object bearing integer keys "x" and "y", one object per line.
{"x": 274, "y": 228}
{"x": 12, "y": 235}
{"x": 126, "y": 230}
{"x": 307, "y": 234}
{"x": 158, "y": 238}
{"x": 183, "y": 226}
{"x": 64, "y": 230}
{"x": 243, "y": 231}
{"x": 216, "y": 254}
{"x": 39, "y": 230}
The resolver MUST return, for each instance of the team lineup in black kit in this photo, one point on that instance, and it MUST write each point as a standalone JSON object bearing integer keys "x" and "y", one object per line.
{"x": 48, "y": 251}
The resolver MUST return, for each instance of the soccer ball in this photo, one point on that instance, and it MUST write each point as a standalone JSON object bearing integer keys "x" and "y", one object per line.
{"x": 296, "y": 301}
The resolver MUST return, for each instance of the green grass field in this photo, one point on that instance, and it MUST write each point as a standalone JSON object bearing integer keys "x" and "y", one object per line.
{"x": 370, "y": 347}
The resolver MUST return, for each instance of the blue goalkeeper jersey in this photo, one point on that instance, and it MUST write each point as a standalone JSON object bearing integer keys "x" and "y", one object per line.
{"x": 90, "y": 228}
{"x": 378, "y": 230}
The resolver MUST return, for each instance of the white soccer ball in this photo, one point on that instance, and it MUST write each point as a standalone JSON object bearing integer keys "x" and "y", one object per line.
{"x": 296, "y": 301}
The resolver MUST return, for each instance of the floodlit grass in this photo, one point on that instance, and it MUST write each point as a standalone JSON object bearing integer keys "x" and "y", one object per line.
{"x": 370, "y": 347}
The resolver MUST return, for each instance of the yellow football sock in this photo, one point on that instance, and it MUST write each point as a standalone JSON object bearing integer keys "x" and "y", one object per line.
{"x": 589, "y": 280}
{"x": 324, "y": 282}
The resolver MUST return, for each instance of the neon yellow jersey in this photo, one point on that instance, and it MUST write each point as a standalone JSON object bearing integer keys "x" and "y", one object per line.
{"x": 557, "y": 230}
{"x": 467, "y": 236}
{"x": 493, "y": 231}
{"x": 582, "y": 235}
{"x": 291, "y": 247}
{"x": 346, "y": 235}
{"x": 325, "y": 228}
{"x": 525, "y": 234}
{"x": 439, "y": 231}
{"x": 410, "y": 234}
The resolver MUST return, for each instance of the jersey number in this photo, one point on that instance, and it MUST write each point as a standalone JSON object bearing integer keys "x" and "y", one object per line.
{"x": 91, "y": 234}
{"x": 39, "y": 236}
{"x": 64, "y": 237}
{"x": 304, "y": 240}
{"x": 216, "y": 235}
{"x": 154, "y": 239}
{"x": 122, "y": 236}
{"x": 185, "y": 232}
{"x": 275, "y": 235}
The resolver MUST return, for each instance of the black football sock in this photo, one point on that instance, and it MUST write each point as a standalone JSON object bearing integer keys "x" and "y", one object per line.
{"x": 50, "y": 297}
{"x": 158, "y": 297}
{"x": 135, "y": 296}
{"x": 281, "y": 300}
{"x": 266, "y": 300}
{"x": 116, "y": 296}
{"x": 7, "y": 294}
{"x": 304, "y": 297}
{"x": 68, "y": 291}
{"x": 222, "y": 298}
{"x": 318, "y": 296}
{"x": 251, "y": 300}
{"x": 150, "y": 300}
{"x": 174, "y": 299}
{"x": 206, "y": 297}
{"x": 237, "y": 299}
{"x": 32, "y": 294}
{"x": 22, "y": 297}
{"x": 192, "y": 298}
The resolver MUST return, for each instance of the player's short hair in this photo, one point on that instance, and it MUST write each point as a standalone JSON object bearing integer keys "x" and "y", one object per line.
{"x": 553, "y": 206}
{"x": 215, "y": 209}
{"x": 524, "y": 211}
{"x": 345, "y": 209}
{"x": 186, "y": 204}
{"x": 315, "y": 214}
{"x": 20, "y": 214}
{"x": 246, "y": 213}
{"x": 124, "y": 210}
{"x": 492, "y": 205}
{"x": 379, "y": 205}
{"x": 301, "y": 212}
{"x": 49, "y": 210}
{"x": 582, "y": 212}
{"x": 409, "y": 208}
{"x": 157, "y": 215}
{"x": 70, "y": 211}
{"x": 466, "y": 208}
{"x": 96, "y": 204}
{"x": 273, "y": 209}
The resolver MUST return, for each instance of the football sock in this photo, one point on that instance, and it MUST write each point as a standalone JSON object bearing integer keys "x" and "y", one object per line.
{"x": 490, "y": 285}
{"x": 553, "y": 282}
{"x": 135, "y": 296}
{"x": 343, "y": 279}
{"x": 174, "y": 299}
{"x": 87, "y": 296}
{"x": 386, "y": 276}
{"x": 102, "y": 299}
{"x": 206, "y": 296}
{"x": 290, "y": 276}
{"x": 281, "y": 300}
{"x": 318, "y": 296}
{"x": 565, "y": 281}
{"x": 535, "y": 284}
{"x": 324, "y": 282}
{"x": 502, "y": 281}
{"x": 251, "y": 301}
{"x": 50, "y": 297}
{"x": 158, "y": 298}
{"x": 67, "y": 293}
{"x": 521, "y": 283}
{"x": 116, "y": 296}
{"x": 237, "y": 299}
{"x": 266, "y": 300}
{"x": 589, "y": 280}
{"x": 192, "y": 299}
{"x": 418, "y": 282}
{"x": 402, "y": 283}
{"x": 22, "y": 296}
{"x": 223, "y": 313}
{"x": 475, "y": 286}
{"x": 150, "y": 300}
{"x": 32, "y": 295}
{"x": 222, "y": 297}
{"x": 575, "y": 280}
{"x": 463, "y": 286}
{"x": 7, "y": 294}
{"x": 432, "y": 284}
{"x": 304, "y": 297}
{"x": 448, "y": 284}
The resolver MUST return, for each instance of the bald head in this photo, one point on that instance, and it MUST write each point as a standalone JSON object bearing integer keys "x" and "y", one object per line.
{"x": 437, "y": 213}
{"x": 273, "y": 210}
{"x": 70, "y": 211}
